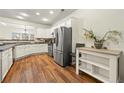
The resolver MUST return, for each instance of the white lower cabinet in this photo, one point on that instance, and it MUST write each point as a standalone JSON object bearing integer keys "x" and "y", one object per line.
{"x": 6, "y": 61}
{"x": 18, "y": 51}
{"x": 6, "y": 56}
{"x": 4, "y": 64}
{"x": 10, "y": 58}
{"x": 23, "y": 50}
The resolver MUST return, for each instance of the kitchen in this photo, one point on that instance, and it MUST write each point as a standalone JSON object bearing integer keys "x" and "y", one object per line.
{"x": 31, "y": 50}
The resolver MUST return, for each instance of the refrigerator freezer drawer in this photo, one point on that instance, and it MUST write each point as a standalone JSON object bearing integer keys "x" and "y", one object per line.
{"x": 59, "y": 58}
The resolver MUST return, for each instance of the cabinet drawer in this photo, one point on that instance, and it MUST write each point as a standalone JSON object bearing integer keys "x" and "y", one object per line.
{"x": 7, "y": 60}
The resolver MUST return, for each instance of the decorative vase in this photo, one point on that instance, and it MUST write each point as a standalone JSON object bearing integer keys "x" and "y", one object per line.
{"x": 98, "y": 44}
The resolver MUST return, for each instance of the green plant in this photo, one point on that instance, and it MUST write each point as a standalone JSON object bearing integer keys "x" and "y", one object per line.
{"x": 110, "y": 35}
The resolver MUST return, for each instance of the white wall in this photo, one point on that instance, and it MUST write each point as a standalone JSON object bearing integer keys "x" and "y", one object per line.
{"x": 13, "y": 25}
{"x": 100, "y": 21}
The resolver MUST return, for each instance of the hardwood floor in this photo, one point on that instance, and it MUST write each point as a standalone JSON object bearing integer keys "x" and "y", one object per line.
{"x": 42, "y": 69}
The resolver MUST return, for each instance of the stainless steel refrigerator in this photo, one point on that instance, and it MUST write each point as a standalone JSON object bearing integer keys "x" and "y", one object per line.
{"x": 63, "y": 46}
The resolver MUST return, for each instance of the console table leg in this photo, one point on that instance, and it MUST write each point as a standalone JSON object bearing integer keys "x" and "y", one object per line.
{"x": 77, "y": 62}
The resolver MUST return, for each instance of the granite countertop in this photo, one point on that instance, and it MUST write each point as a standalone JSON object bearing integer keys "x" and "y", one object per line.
{"x": 27, "y": 43}
{"x": 10, "y": 45}
{"x": 6, "y": 46}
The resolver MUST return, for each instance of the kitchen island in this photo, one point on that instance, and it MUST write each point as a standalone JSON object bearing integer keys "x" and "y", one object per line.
{"x": 14, "y": 51}
{"x": 23, "y": 50}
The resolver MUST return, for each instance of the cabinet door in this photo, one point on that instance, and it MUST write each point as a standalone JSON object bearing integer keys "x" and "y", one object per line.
{"x": 40, "y": 33}
{"x": 44, "y": 48}
{"x": 0, "y": 67}
{"x": 4, "y": 63}
{"x": 39, "y": 48}
{"x": 26, "y": 49}
{"x": 10, "y": 58}
{"x": 34, "y": 48}
{"x": 19, "y": 51}
{"x": 68, "y": 23}
{"x": 31, "y": 49}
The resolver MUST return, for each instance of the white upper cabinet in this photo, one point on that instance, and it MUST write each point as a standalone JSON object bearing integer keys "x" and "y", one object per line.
{"x": 7, "y": 30}
{"x": 44, "y": 33}
{"x": 68, "y": 23}
{"x": 30, "y": 30}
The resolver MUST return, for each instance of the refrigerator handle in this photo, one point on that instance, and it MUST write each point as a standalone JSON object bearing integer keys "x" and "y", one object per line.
{"x": 56, "y": 38}
{"x": 62, "y": 34}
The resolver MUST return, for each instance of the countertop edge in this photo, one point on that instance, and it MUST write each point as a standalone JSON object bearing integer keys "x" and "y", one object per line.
{"x": 104, "y": 51}
{"x": 8, "y": 46}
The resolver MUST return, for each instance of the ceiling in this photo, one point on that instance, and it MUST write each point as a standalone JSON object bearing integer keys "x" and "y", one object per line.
{"x": 30, "y": 15}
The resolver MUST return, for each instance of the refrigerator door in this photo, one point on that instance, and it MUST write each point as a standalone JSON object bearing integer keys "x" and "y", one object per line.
{"x": 55, "y": 44}
{"x": 67, "y": 44}
{"x": 62, "y": 46}
{"x": 56, "y": 38}
{"x": 60, "y": 40}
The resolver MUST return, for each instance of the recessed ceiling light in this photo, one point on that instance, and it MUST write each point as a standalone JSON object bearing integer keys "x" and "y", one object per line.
{"x": 37, "y": 13}
{"x": 3, "y": 23}
{"x": 20, "y": 17}
{"x": 24, "y": 14}
{"x": 44, "y": 19}
{"x": 51, "y": 12}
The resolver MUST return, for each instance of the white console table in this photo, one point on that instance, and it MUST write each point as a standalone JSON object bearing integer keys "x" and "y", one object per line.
{"x": 99, "y": 63}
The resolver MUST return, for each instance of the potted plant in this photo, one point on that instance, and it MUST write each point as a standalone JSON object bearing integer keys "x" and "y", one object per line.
{"x": 98, "y": 43}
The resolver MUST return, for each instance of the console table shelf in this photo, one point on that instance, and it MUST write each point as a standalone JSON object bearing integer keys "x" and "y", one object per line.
{"x": 99, "y": 63}
{"x": 95, "y": 63}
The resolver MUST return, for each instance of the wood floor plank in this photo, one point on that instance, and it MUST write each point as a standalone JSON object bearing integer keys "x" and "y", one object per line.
{"x": 43, "y": 69}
